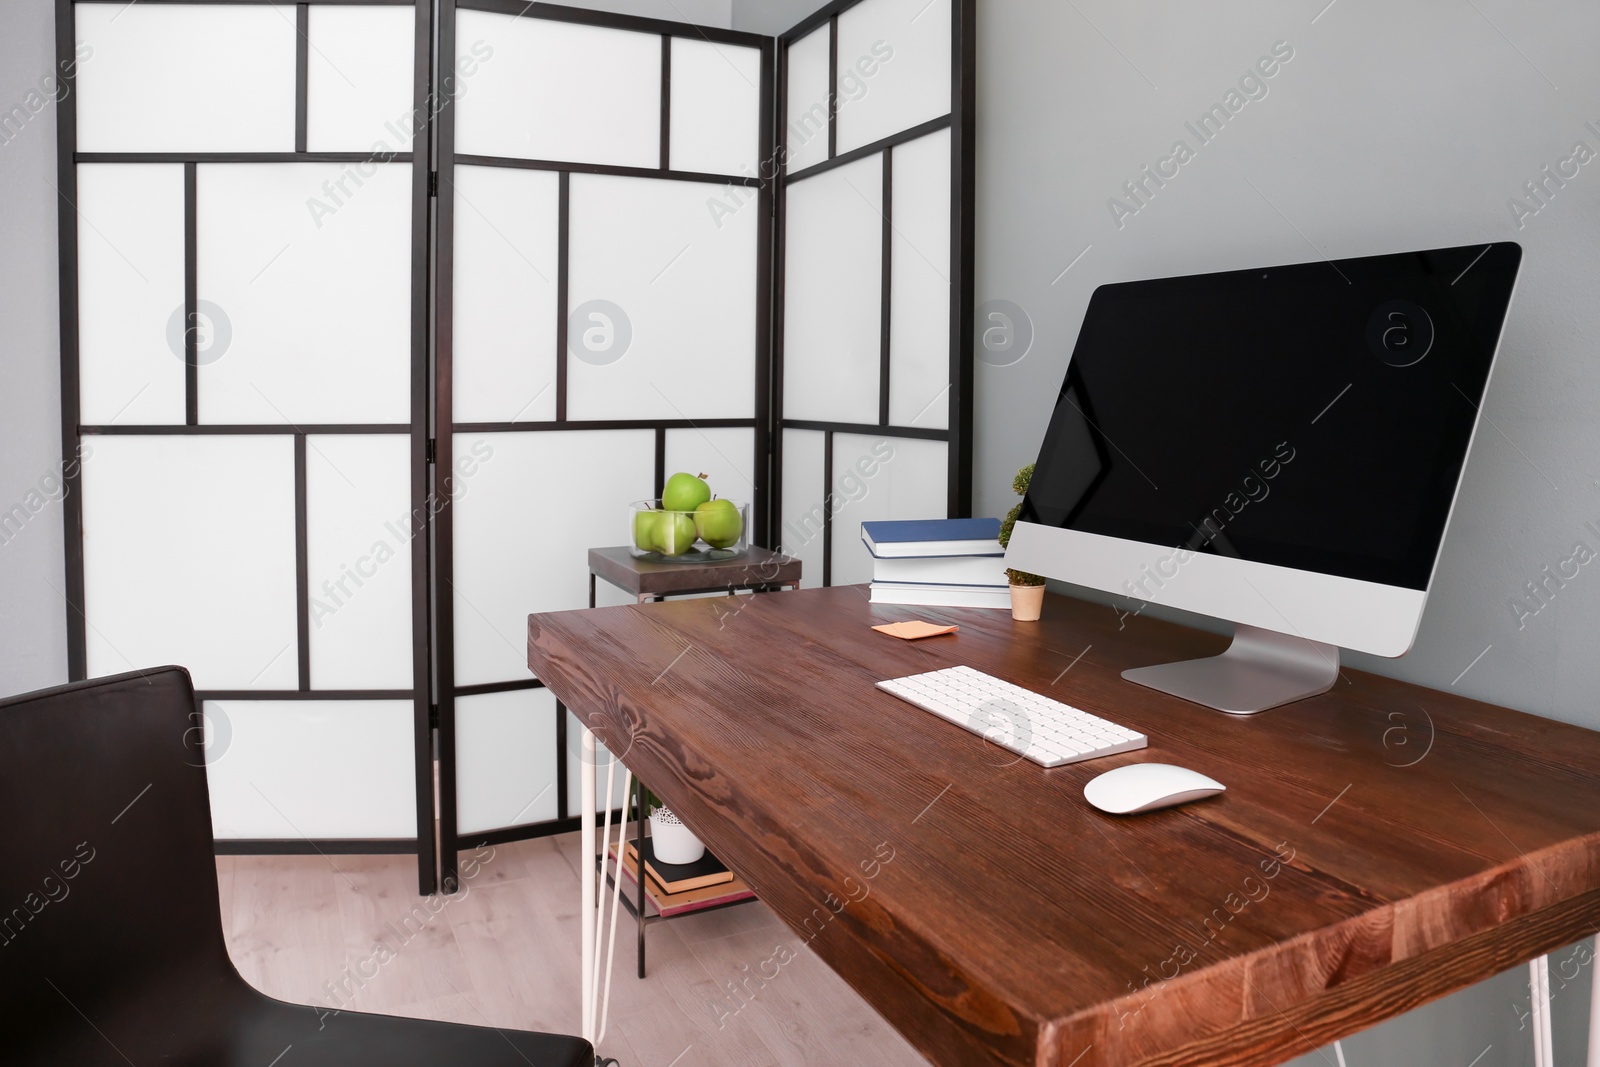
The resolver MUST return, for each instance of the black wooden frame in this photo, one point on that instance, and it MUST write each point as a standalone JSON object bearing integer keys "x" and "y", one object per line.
{"x": 451, "y": 840}
{"x": 73, "y": 431}
{"x": 961, "y": 121}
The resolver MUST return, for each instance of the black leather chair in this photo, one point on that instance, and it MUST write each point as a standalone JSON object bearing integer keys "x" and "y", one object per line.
{"x": 111, "y": 949}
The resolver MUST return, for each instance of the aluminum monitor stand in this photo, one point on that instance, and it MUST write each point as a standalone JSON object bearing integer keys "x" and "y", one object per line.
{"x": 1260, "y": 670}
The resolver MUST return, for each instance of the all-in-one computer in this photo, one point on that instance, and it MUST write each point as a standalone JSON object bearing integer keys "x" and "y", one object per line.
{"x": 1279, "y": 448}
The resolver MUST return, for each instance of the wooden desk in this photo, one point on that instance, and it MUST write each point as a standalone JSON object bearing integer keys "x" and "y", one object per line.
{"x": 1432, "y": 840}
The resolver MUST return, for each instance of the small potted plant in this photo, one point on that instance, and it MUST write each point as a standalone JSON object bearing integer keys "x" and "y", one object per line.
{"x": 1027, "y": 590}
{"x": 672, "y": 841}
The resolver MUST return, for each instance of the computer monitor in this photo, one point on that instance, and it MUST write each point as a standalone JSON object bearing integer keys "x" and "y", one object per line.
{"x": 1279, "y": 448}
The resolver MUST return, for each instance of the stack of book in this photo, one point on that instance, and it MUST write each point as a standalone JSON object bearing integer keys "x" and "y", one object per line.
{"x": 679, "y": 888}
{"x": 955, "y": 563}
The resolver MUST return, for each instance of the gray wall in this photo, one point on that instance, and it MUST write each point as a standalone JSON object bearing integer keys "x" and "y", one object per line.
{"x": 698, "y": 12}
{"x": 1402, "y": 126}
{"x": 770, "y": 17}
{"x": 1395, "y": 126}
{"x": 33, "y": 627}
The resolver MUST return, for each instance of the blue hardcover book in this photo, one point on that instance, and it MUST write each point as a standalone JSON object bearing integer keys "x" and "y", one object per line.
{"x": 912, "y": 538}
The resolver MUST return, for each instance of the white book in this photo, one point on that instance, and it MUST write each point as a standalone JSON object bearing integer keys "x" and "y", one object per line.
{"x": 943, "y": 570}
{"x": 941, "y": 596}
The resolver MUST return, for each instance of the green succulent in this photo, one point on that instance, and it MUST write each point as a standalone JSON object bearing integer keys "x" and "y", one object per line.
{"x": 1008, "y": 524}
{"x": 1019, "y": 485}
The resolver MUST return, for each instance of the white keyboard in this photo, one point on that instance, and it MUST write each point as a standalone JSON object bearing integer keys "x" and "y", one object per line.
{"x": 1035, "y": 727}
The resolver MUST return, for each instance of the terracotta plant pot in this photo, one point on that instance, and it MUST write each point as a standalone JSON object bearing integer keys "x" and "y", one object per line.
{"x": 673, "y": 841}
{"x": 1027, "y": 601}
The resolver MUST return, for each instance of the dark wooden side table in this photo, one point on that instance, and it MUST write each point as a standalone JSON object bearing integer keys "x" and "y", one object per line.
{"x": 759, "y": 570}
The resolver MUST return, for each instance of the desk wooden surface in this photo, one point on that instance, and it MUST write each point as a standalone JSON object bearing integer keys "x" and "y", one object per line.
{"x": 1378, "y": 846}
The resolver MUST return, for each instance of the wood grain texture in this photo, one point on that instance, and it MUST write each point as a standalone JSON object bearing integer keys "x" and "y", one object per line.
{"x": 757, "y": 567}
{"x": 1378, "y": 846}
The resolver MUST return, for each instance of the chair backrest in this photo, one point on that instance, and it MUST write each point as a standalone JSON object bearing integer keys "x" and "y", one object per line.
{"x": 108, "y": 879}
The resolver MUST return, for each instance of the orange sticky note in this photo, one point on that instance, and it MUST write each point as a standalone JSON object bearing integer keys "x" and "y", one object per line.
{"x": 910, "y": 631}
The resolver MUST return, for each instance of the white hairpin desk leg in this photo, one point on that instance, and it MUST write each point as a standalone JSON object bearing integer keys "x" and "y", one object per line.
{"x": 586, "y": 875}
{"x": 1594, "y": 1006}
{"x": 1539, "y": 988}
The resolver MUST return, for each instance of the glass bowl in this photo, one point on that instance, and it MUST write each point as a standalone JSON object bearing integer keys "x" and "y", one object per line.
{"x": 680, "y": 536}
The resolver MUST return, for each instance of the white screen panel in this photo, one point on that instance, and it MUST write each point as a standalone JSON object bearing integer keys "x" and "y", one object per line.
{"x": 310, "y": 264}
{"x": 293, "y": 769}
{"x": 716, "y": 107}
{"x": 805, "y": 503}
{"x": 505, "y": 760}
{"x": 558, "y": 90}
{"x": 359, "y": 72}
{"x": 130, "y": 285}
{"x": 882, "y": 478}
{"x": 189, "y": 558}
{"x": 603, "y": 762}
{"x": 919, "y": 295}
{"x": 507, "y": 225}
{"x": 894, "y": 68}
{"x": 724, "y": 455}
{"x": 534, "y": 506}
{"x": 806, "y": 125}
{"x": 681, "y": 282}
{"x": 358, "y": 555}
{"x": 185, "y": 78}
{"x": 833, "y": 290}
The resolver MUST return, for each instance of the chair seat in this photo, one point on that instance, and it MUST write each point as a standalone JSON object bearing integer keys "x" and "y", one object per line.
{"x": 229, "y": 1024}
{"x": 325, "y": 1040}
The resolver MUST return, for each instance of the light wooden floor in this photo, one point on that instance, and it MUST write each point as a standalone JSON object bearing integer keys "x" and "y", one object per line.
{"x": 351, "y": 932}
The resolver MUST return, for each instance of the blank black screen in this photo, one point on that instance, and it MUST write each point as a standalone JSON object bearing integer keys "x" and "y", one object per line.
{"x": 1313, "y": 416}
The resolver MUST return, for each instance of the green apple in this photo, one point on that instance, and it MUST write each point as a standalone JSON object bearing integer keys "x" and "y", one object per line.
{"x": 684, "y": 492}
{"x": 645, "y": 525}
{"x": 675, "y": 532}
{"x": 719, "y": 523}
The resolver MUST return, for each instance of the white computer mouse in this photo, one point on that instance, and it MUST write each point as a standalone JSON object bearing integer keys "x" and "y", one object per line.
{"x": 1148, "y": 786}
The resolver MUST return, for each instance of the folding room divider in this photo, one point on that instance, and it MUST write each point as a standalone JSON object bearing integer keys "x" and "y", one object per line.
{"x": 376, "y": 315}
